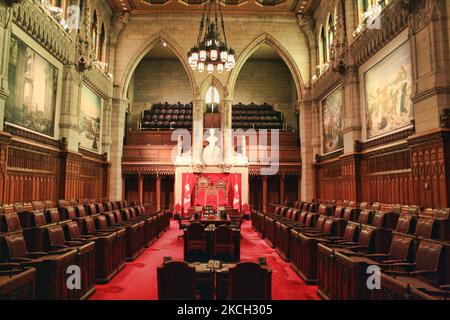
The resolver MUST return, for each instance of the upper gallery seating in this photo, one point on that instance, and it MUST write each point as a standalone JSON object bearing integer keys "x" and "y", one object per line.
{"x": 254, "y": 116}
{"x": 40, "y": 240}
{"x": 168, "y": 116}
{"x": 332, "y": 243}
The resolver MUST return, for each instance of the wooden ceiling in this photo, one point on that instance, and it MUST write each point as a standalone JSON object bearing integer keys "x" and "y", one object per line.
{"x": 258, "y": 7}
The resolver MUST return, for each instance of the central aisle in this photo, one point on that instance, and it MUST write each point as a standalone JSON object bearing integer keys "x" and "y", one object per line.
{"x": 137, "y": 281}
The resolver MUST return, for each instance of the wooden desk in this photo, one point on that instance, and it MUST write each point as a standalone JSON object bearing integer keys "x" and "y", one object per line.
{"x": 210, "y": 240}
{"x": 211, "y": 219}
{"x": 212, "y": 284}
{"x": 18, "y": 284}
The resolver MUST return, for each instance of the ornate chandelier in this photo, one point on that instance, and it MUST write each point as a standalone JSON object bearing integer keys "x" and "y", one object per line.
{"x": 211, "y": 52}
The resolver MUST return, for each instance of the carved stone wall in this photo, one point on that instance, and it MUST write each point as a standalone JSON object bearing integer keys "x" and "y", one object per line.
{"x": 408, "y": 166}
{"x": 36, "y": 167}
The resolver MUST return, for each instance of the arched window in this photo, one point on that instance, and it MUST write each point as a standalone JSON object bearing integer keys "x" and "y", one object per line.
{"x": 212, "y": 96}
{"x": 102, "y": 45}
{"x": 322, "y": 46}
{"x": 212, "y": 100}
{"x": 330, "y": 37}
{"x": 94, "y": 32}
{"x": 365, "y": 5}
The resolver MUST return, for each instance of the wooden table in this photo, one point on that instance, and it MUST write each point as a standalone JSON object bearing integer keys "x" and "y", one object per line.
{"x": 212, "y": 284}
{"x": 210, "y": 240}
{"x": 216, "y": 220}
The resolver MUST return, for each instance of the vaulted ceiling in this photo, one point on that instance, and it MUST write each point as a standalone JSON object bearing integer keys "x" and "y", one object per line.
{"x": 271, "y": 7}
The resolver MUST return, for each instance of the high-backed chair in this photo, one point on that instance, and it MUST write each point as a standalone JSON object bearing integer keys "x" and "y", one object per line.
{"x": 195, "y": 238}
{"x": 223, "y": 241}
{"x": 17, "y": 249}
{"x": 182, "y": 225}
{"x": 249, "y": 281}
{"x": 427, "y": 266}
{"x": 400, "y": 251}
{"x": 176, "y": 281}
{"x": 9, "y": 222}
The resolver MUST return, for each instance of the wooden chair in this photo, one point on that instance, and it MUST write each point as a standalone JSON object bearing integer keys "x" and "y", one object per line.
{"x": 223, "y": 241}
{"x": 249, "y": 281}
{"x": 176, "y": 281}
{"x": 195, "y": 238}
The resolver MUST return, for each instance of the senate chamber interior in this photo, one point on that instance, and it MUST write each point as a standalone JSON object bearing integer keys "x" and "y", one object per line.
{"x": 224, "y": 150}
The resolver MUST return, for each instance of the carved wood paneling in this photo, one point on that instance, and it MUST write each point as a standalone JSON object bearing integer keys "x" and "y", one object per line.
{"x": 90, "y": 184}
{"x": 350, "y": 177}
{"x": 329, "y": 180}
{"x": 39, "y": 172}
{"x": 430, "y": 160}
{"x": 31, "y": 175}
{"x": 387, "y": 177}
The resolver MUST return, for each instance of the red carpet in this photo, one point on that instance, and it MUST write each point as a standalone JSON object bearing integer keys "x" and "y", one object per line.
{"x": 137, "y": 281}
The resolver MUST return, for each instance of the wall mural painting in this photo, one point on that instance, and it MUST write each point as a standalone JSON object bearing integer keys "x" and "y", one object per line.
{"x": 90, "y": 119}
{"x": 388, "y": 105}
{"x": 333, "y": 122}
{"x": 33, "y": 83}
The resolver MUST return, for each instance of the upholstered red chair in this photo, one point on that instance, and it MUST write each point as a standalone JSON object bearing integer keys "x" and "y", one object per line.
{"x": 67, "y": 213}
{"x": 57, "y": 241}
{"x": 52, "y": 216}
{"x": 176, "y": 281}
{"x": 249, "y": 281}
{"x": 17, "y": 249}
{"x": 223, "y": 242}
{"x": 406, "y": 224}
{"x": 366, "y": 216}
{"x": 400, "y": 250}
{"x": 10, "y": 222}
{"x": 80, "y": 211}
{"x": 350, "y": 235}
{"x": 428, "y": 265}
{"x": 73, "y": 233}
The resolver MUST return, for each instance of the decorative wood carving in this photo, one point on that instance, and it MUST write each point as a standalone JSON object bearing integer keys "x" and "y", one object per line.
{"x": 386, "y": 176}
{"x": 34, "y": 20}
{"x": 35, "y": 168}
{"x": 329, "y": 180}
{"x": 394, "y": 19}
{"x": 430, "y": 165}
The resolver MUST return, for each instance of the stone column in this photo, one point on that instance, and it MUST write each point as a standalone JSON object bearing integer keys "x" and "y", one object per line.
{"x": 316, "y": 133}
{"x": 141, "y": 189}
{"x": 307, "y": 189}
{"x": 158, "y": 192}
{"x": 5, "y": 36}
{"x": 227, "y": 132}
{"x": 264, "y": 193}
{"x": 106, "y": 134}
{"x": 352, "y": 109}
{"x": 197, "y": 131}
{"x": 70, "y": 102}
{"x": 119, "y": 110}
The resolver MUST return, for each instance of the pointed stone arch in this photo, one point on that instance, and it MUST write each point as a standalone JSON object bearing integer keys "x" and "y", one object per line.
{"x": 266, "y": 39}
{"x": 144, "y": 50}
{"x": 206, "y": 84}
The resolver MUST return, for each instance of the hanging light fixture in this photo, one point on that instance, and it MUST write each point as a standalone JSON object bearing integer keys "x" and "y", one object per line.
{"x": 211, "y": 52}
